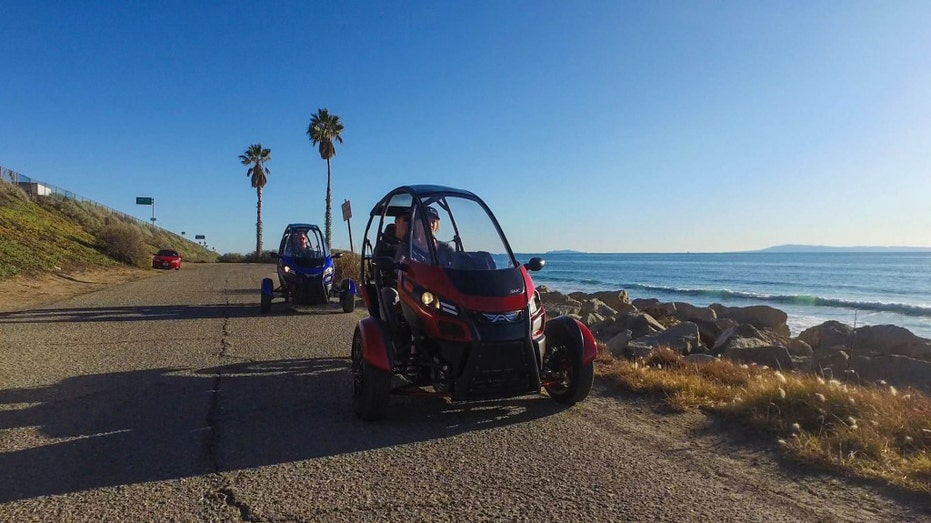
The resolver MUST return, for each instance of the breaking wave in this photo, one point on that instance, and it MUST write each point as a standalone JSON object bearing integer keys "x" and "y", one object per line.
{"x": 731, "y": 295}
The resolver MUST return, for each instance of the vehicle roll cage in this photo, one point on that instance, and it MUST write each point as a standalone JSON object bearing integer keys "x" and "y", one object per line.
{"x": 421, "y": 197}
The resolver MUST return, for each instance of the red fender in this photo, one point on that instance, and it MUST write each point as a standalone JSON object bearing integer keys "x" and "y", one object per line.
{"x": 575, "y": 333}
{"x": 374, "y": 350}
{"x": 591, "y": 349}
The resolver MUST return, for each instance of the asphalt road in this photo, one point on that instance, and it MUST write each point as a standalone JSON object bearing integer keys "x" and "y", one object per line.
{"x": 173, "y": 399}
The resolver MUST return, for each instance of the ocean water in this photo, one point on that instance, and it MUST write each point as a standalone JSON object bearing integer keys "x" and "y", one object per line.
{"x": 854, "y": 288}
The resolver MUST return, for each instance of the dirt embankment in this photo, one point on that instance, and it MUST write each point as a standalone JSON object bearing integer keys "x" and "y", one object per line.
{"x": 25, "y": 292}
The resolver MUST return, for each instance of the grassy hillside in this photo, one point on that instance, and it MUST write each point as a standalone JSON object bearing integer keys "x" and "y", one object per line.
{"x": 51, "y": 233}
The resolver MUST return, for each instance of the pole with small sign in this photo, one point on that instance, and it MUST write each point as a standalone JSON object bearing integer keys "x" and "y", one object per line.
{"x": 147, "y": 200}
{"x": 347, "y": 214}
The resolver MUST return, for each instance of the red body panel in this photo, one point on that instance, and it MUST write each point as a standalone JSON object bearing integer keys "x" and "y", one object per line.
{"x": 373, "y": 344}
{"x": 433, "y": 279}
{"x": 591, "y": 349}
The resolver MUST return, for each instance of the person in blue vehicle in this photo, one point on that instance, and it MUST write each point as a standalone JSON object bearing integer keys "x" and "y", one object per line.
{"x": 302, "y": 248}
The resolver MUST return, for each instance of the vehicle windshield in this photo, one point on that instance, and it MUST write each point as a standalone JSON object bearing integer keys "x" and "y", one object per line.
{"x": 167, "y": 252}
{"x": 464, "y": 236}
{"x": 305, "y": 244}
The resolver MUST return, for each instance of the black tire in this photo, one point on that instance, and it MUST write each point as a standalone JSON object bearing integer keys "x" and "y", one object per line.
{"x": 370, "y": 385}
{"x": 266, "y": 296}
{"x": 348, "y": 301}
{"x": 577, "y": 379}
{"x": 266, "y": 303}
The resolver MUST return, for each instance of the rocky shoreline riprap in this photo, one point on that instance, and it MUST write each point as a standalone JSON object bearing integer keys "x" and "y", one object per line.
{"x": 756, "y": 334}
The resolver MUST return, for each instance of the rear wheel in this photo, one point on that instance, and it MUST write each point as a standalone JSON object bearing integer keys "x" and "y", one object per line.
{"x": 571, "y": 380}
{"x": 348, "y": 301}
{"x": 266, "y": 295}
{"x": 370, "y": 385}
{"x": 346, "y": 298}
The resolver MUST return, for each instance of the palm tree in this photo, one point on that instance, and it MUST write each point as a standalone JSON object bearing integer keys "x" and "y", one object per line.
{"x": 323, "y": 129}
{"x": 256, "y": 156}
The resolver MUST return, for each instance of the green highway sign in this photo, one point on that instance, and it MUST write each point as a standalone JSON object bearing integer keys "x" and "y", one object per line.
{"x": 143, "y": 200}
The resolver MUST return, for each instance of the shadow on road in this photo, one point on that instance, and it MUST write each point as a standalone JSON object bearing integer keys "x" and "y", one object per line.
{"x": 158, "y": 313}
{"x": 122, "y": 428}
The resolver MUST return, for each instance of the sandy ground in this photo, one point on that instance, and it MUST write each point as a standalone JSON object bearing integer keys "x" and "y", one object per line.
{"x": 27, "y": 292}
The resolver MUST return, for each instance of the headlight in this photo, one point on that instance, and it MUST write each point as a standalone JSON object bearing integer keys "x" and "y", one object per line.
{"x": 434, "y": 302}
{"x": 535, "y": 303}
{"x": 428, "y": 299}
{"x": 287, "y": 269}
{"x": 329, "y": 270}
{"x": 537, "y": 317}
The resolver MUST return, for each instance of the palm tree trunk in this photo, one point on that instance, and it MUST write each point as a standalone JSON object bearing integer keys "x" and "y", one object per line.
{"x": 329, "y": 217}
{"x": 258, "y": 223}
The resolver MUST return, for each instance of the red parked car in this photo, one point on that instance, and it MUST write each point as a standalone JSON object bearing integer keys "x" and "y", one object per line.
{"x": 166, "y": 259}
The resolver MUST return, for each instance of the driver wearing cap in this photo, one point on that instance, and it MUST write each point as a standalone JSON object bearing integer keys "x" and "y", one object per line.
{"x": 420, "y": 250}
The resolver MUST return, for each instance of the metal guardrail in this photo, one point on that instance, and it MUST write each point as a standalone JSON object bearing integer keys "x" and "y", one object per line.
{"x": 38, "y": 188}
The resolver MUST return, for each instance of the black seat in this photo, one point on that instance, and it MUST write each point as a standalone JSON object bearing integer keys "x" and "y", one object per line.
{"x": 386, "y": 246}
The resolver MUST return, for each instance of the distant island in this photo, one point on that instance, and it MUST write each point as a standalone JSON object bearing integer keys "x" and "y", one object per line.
{"x": 564, "y": 251}
{"x": 826, "y": 248}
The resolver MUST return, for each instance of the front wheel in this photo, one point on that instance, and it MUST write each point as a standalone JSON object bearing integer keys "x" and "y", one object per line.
{"x": 371, "y": 386}
{"x": 574, "y": 382}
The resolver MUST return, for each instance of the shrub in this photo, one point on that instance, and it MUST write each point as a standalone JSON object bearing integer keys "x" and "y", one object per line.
{"x": 10, "y": 194}
{"x": 264, "y": 257}
{"x": 124, "y": 243}
{"x": 231, "y": 257}
{"x": 347, "y": 266}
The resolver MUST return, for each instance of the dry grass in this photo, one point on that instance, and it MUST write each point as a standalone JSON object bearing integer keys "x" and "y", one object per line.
{"x": 51, "y": 234}
{"x": 872, "y": 432}
{"x": 347, "y": 266}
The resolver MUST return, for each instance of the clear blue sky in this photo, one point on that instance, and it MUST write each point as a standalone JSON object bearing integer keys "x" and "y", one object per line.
{"x": 597, "y": 126}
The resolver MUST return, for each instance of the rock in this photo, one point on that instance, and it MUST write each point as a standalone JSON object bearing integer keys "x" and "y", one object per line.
{"x": 592, "y": 318}
{"x": 654, "y": 307}
{"x": 801, "y": 363}
{"x": 830, "y": 362}
{"x": 771, "y": 356}
{"x": 597, "y": 306}
{"x": 827, "y": 334}
{"x": 681, "y": 338}
{"x": 760, "y": 316}
{"x": 894, "y": 369}
{"x": 889, "y": 339}
{"x": 710, "y": 330}
{"x": 743, "y": 336}
{"x": 798, "y": 347}
{"x": 558, "y": 304}
{"x": 614, "y": 299}
{"x": 688, "y": 312}
{"x": 618, "y": 343}
{"x": 640, "y": 324}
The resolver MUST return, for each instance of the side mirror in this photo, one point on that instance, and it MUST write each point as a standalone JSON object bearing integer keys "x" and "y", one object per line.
{"x": 335, "y": 255}
{"x": 535, "y": 264}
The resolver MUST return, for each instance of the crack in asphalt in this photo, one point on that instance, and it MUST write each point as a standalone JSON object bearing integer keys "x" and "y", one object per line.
{"x": 213, "y": 446}
{"x": 213, "y": 412}
{"x": 245, "y": 511}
